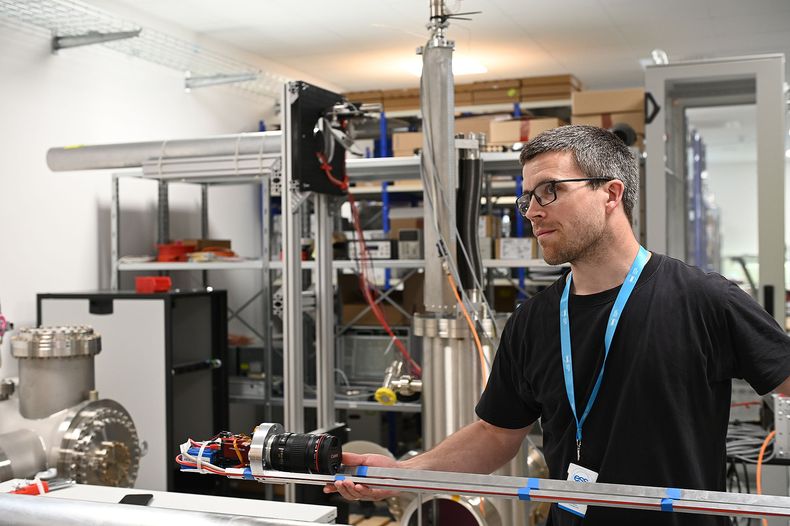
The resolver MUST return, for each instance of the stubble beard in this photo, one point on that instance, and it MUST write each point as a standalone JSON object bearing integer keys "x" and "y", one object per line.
{"x": 583, "y": 245}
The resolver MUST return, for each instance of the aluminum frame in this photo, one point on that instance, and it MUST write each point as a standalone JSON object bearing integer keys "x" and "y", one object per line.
{"x": 768, "y": 71}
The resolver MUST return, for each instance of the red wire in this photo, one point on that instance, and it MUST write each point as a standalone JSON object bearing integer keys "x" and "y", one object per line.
{"x": 365, "y": 259}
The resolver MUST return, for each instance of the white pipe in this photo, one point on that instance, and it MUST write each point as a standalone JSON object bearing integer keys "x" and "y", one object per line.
{"x": 134, "y": 154}
{"x": 26, "y": 510}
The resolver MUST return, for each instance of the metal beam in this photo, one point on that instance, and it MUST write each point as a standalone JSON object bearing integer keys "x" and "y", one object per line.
{"x": 90, "y": 38}
{"x": 191, "y": 82}
{"x": 546, "y": 490}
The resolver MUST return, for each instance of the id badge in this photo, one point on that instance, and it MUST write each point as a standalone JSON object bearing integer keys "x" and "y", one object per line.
{"x": 578, "y": 473}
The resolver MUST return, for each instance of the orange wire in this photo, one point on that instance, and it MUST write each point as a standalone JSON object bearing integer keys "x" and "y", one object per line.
{"x": 767, "y": 440}
{"x": 374, "y": 307}
{"x": 238, "y": 453}
{"x": 473, "y": 331}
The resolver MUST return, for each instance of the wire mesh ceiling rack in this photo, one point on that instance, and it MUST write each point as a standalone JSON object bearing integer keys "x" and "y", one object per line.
{"x": 66, "y": 18}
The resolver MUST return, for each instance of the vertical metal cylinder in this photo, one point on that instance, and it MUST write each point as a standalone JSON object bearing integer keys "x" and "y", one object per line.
{"x": 47, "y": 386}
{"x": 325, "y": 330}
{"x": 22, "y": 455}
{"x": 56, "y": 368}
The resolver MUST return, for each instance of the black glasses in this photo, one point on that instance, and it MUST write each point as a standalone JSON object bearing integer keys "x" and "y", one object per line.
{"x": 546, "y": 192}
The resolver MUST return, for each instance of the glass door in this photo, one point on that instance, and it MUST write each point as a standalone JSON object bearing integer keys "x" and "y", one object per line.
{"x": 714, "y": 182}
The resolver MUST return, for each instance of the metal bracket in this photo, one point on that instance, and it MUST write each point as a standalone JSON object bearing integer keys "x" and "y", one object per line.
{"x": 293, "y": 91}
{"x": 297, "y": 196}
{"x": 90, "y": 38}
{"x": 191, "y": 82}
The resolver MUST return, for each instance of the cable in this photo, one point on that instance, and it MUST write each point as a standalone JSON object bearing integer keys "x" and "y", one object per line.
{"x": 768, "y": 439}
{"x": 483, "y": 371}
{"x": 365, "y": 259}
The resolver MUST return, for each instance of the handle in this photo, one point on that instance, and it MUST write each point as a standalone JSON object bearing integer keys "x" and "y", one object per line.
{"x": 651, "y": 115}
{"x": 768, "y": 299}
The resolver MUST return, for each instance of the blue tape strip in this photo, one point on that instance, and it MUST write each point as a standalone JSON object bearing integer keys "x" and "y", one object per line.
{"x": 672, "y": 495}
{"x": 570, "y": 510}
{"x": 362, "y": 471}
{"x": 248, "y": 474}
{"x": 523, "y": 493}
{"x": 340, "y": 477}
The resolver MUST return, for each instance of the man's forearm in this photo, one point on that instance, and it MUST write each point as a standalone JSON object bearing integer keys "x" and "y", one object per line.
{"x": 476, "y": 448}
{"x": 783, "y": 388}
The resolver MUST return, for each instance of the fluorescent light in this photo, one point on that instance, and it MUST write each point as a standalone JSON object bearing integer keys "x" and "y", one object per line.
{"x": 462, "y": 65}
{"x": 787, "y": 153}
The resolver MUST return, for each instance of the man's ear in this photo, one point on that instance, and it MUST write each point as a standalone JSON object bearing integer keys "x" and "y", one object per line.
{"x": 614, "y": 190}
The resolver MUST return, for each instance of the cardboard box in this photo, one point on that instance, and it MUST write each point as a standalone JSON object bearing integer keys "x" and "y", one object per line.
{"x": 463, "y": 98}
{"x": 396, "y": 225}
{"x": 520, "y": 130}
{"x": 497, "y": 96}
{"x": 364, "y": 96}
{"x": 478, "y": 124}
{"x": 353, "y": 302}
{"x": 403, "y": 153}
{"x": 567, "y": 80}
{"x": 401, "y": 103}
{"x": 406, "y": 142}
{"x": 514, "y": 248}
{"x": 635, "y": 119}
{"x": 201, "y": 244}
{"x": 488, "y": 226}
{"x": 548, "y": 90}
{"x": 608, "y": 101}
{"x": 495, "y": 84}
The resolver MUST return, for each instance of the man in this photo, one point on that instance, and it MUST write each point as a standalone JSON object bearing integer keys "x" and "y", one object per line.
{"x": 650, "y": 396}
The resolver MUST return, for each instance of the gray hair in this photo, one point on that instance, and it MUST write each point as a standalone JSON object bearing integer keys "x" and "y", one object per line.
{"x": 597, "y": 153}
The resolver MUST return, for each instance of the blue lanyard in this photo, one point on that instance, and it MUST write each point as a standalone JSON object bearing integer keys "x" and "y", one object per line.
{"x": 565, "y": 338}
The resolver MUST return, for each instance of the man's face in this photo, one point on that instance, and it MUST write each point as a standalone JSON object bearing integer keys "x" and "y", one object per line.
{"x": 574, "y": 224}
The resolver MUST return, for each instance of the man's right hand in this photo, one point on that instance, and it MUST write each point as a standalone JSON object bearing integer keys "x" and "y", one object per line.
{"x": 351, "y": 491}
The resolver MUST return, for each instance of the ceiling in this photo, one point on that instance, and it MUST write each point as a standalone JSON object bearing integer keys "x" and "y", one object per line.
{"x": 365, "y": 44}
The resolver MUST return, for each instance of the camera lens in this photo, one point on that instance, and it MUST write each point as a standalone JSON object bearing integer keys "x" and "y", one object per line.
{"x": 303, "y": 453}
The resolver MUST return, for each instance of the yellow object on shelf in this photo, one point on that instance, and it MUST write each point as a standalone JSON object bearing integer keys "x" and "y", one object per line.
{"x": 386, "y": 396}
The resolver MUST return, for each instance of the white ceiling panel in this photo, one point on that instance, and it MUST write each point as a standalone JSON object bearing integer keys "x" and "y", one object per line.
{"x": 359, "y": 44}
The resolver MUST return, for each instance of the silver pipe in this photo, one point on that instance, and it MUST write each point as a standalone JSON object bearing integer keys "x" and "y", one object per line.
{"x": 548, "y": 490}
{"x": 134, "y": 154}
{"x": 24, "y": 510}
{"x": 293, "y": 329}
{"x": 21, "y": 454}
{"x": 325, "y": 330}
{"x": 437, "y": 8}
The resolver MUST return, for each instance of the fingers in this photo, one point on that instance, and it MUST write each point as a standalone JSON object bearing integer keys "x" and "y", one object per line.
{"x": 351, "y": 491}
{"x": 353, "y": 459}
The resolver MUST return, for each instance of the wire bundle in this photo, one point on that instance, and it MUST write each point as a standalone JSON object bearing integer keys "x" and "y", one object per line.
{"x": 366, "y": 265}
{"x": 744, "y": 442}
{"x": 207, "y": 457}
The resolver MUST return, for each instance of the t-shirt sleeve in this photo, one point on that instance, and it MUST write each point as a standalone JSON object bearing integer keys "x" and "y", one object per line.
{"x": 507, "y": 400}
{"x": 761, "y": 348}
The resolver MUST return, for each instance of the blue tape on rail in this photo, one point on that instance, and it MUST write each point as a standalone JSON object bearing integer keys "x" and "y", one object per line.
{"x": 248, "y": 474}
{"x": 340, "y": 477}
{"x": 362, "y": 471}
{"x": 672, "y": 495}
{"x": 523, "y": 493}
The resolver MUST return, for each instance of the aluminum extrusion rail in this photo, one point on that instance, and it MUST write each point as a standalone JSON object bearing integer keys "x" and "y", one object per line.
{"x": 541, "y": 490}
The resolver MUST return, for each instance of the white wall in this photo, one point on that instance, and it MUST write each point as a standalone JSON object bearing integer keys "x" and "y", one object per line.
{"x": 55, "y": 225}
{"x": 734, "y": 186}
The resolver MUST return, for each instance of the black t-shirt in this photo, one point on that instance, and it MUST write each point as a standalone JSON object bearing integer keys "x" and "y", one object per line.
{"x": 660, "y": 418}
